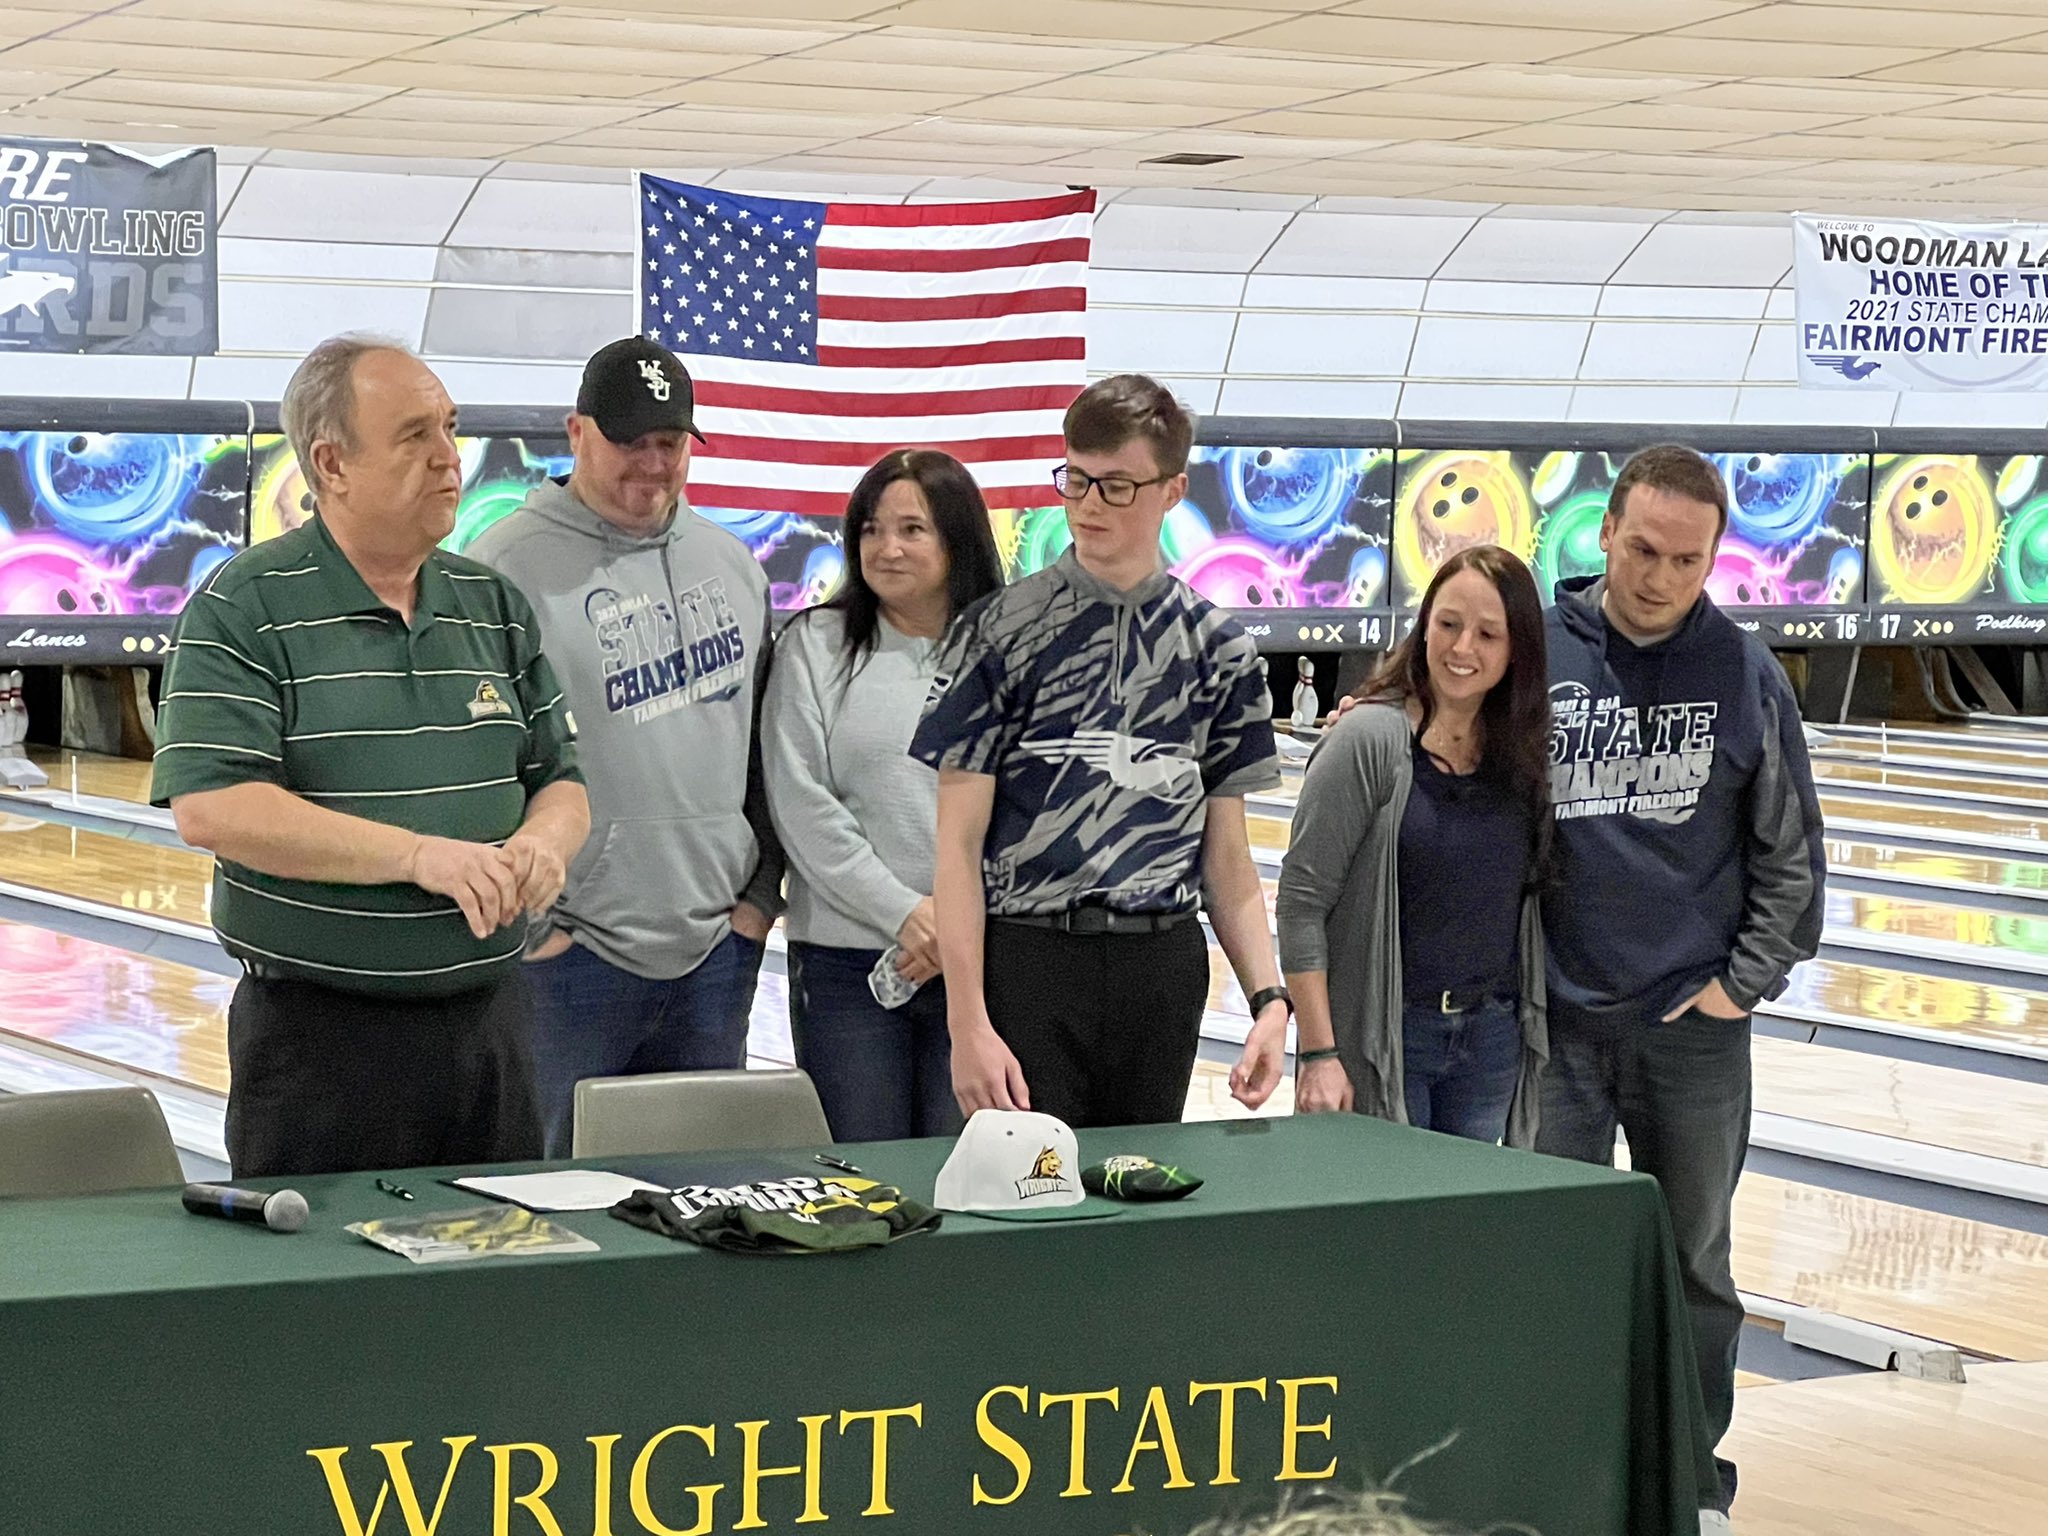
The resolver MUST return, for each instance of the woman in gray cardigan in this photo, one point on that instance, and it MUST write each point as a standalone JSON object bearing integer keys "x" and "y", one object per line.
{"x": 1407, "y": 909}
{"x": 857, "y": 814}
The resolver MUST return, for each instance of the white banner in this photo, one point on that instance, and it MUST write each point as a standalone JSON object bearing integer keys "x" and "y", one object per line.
{"x": 1905, "y": 304}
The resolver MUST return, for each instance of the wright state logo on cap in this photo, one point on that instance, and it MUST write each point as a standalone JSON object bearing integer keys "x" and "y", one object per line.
{"x": 1015, "y": 1164}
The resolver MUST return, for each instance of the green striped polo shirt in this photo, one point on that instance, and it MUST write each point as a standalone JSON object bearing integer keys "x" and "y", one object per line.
{"x": 286, "y": 669}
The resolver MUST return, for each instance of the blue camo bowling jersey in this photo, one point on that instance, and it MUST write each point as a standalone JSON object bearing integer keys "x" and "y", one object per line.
{"x": 1107, "y": 720}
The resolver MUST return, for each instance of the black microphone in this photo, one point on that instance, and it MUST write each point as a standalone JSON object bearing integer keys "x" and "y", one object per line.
{"x": 282, "y": 1211}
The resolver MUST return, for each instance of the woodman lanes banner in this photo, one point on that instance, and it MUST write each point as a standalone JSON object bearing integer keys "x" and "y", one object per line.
{"x": 104, "y": 250}
{"x": 1906, "y": 304}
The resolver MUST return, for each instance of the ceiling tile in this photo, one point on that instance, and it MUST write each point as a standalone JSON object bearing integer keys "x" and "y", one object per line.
{"x": 1248, "y": 66}
{"x": 1581, "y": 15}
{"x": 1372, "y": 37}
{"x": 973, "y": 51}
{"x": 1111, "y": 19}
{"x": 155, "y": 62}
{"x": 1101, "y": 111}
{"x": 1899, "y": 27}
{"x": 1850, "y": 98}
{"x": 569, "y": 28}
{"x": 957, "y": 83}
{"x": 240, "y": 37}
{"x": 421, "y": 74}
{"x": 1731, "y": 58}
{"x": 1566, "y": 136}
{"x": 2005, "y": 69}
{"x": 349, "y": 15}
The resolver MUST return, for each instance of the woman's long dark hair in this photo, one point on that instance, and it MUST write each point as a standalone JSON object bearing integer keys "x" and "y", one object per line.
{"x": 973, "y": 568}
{"x": 1514, "y": 718}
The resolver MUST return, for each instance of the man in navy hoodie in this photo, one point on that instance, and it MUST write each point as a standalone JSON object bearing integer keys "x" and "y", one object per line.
{"x": 1687, "y": 880}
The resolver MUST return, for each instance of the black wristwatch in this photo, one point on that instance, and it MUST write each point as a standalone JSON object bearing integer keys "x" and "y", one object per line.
{"x": 1258, "y": 1000}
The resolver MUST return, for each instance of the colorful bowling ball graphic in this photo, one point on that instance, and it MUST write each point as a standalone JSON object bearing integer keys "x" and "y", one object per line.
{"x": 1455, "y": 501}
{"x": 1933, "y": 531}
{"x": 1286, "y": 496}
{"x": 1779, "y": 498}
{"x": 1569, "y": 543}
{"x": 823, "y": 568}
{"x": 1238, "y": 573}
{"x": 282, "y": 499}
{"x": 106, "y": 488}
{"x": 47, "y": 575}
{"x": 1366, "y": 578}
{"x": 1743, "y": 578}
{"x": 2024, "y": 553}
{"x": 1042, "y": 537}
{"x": 484, "y": 508}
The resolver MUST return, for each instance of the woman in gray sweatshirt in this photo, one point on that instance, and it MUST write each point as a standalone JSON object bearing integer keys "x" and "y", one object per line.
{"x": 858, "y": 814}
{"x": 1407, "y": 901}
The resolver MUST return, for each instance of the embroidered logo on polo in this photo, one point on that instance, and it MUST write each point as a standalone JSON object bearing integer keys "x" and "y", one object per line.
{"x": 1048, "y": 1176}
{"x": 658, "y": 656}
{"x": 1131, "y": 762}
{"x": 488, "y": 701}
{"x": 1611, "y": 759}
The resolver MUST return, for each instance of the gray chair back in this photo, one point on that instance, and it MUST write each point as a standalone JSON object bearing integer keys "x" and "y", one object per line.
{"x": 697, "y": 1112}
{"x": 85, "y": 1142}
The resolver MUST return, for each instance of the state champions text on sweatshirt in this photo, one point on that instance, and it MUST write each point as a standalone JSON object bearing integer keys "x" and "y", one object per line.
{"x": 662, "y": 646}
{"x": 1688, "y": 835}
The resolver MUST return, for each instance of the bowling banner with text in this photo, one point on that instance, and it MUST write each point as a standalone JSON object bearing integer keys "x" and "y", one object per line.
{"x": 1908, "y": 304}
{"x": 102, "y": 250}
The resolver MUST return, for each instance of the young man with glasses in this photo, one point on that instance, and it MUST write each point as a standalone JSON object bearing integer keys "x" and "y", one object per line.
{"x": 1096, "y": 726}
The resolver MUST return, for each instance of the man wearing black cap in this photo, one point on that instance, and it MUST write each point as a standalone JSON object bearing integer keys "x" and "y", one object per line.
{"x": 658, "y": 621}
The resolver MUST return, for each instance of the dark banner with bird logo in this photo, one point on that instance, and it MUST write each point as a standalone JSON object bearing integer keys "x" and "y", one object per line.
{"x": 103, "y": 250}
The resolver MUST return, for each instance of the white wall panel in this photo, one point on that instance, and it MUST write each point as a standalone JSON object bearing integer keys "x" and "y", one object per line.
{"x": 289, "y": 203}
{"x": 1322, "y": 344}
{"x": 314, "y": 258}
{"x": 548, "y": 216}
{"x": 293, "y": 317}
{"x": 1543, "y": 251}
{"x": 1264, "y": 290}
{"x": 1183, "y": 239}
{"x": 1426, "y": 400}
{"x": 1622, "y": 349}
{"x": 1309, "y": 397}
{"x": 1683, "y": 303}
{"x": 1456, "y": 296}
{"x": 1497, "y": 349}
{"x": 1711, "y": 256}
{"x": 1971, "y": 411}
{"x": 1172, "y": 290}
{"x": 1364, "y": 245}
{"x": 1146, "y": 341}
{"x": 1766, "y": 406}
{"x": 108, "y": 378}
{"x": 1652, "y": 402}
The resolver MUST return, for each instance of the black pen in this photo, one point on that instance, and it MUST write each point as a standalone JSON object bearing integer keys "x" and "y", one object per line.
{"x": 390, "y": 1188}
{"x": 833, "y": 1162}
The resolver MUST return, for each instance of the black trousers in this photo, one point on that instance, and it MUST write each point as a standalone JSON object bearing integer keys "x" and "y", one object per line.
{"x": 1105, "y": 1026}
{"x": 330, "y": 1082}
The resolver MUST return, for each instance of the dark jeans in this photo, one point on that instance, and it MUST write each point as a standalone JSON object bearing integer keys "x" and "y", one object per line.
{"x": 592, "y": 1019}
{"x": 883, "y": 1074}
{"x": 1105, "y": 1026}
{"x": 332, "y": 1082}
{"x": 1681, "y": 1093}
{"x": 1459, "y": 1070}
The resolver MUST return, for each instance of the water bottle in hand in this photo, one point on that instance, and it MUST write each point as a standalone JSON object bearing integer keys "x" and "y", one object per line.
{"x": 891, "y": 988}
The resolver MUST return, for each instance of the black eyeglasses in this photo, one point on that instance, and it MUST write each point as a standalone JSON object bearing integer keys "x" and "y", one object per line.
{"x": 1116, "y": 491}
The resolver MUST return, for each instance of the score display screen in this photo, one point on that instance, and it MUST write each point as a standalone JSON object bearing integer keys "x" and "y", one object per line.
{"x": 1790, "y": 566}
{"x": 1290, "y": 541}
{"x": 1959, "y": 547}
{"x": 105, "y": 535}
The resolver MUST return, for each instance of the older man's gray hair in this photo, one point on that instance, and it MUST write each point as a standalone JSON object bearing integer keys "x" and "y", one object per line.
{"x": 319, "y": 402}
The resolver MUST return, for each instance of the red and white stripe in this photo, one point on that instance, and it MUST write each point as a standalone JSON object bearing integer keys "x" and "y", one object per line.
{"x": 958, "y": 326}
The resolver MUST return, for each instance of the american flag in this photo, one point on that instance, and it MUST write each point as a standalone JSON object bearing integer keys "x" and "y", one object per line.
{"x": 822, "y": 335}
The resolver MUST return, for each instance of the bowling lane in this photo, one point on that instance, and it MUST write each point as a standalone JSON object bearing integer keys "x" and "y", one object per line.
{"x": 109, "y": 778}
{"x": 2022, "y": 795}
{"x": 1868, "y": 817}
{"x": 1938, "y": 931}
{"x": 123, "y": 874}
{"x": 1962, "y": 757}
{"x": 1934, "y": 1106}
{"x": 1888, "y": 1001}
{"x": 114, "y": 1006}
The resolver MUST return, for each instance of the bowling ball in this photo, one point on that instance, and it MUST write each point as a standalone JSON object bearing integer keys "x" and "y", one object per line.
{"x": 1452, "y": 502}
{"x": 1779, "y": 498}
{"x": 1285, "y": 496}
{"x": 1933, "y": 531}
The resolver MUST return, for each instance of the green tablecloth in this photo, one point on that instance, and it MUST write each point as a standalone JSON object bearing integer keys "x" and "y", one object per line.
{"x": 1371, "y": 1290}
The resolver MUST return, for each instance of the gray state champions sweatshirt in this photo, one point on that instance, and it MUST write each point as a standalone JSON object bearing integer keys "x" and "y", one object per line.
{"x": 661, "y": 645}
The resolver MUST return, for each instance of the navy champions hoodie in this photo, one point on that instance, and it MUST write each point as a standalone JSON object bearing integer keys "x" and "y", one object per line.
{"x": 1688, "y": 835}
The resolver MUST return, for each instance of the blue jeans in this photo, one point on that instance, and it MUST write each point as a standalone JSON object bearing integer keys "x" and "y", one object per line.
{"x": 1459, "y": 1070}
{"x": 883, "y": 1074}
{"x": 591, "y": 1019}
{"x": 1682, "y": 1093}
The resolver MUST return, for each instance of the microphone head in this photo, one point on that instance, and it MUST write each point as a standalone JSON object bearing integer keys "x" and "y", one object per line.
{"x": 285, "y": 1211}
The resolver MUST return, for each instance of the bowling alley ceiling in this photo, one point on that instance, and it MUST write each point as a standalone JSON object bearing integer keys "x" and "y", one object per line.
{"x": 1872, "y": 106}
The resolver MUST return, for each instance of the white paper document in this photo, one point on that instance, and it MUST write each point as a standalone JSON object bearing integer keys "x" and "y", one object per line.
{"x": 567, "y": 1189}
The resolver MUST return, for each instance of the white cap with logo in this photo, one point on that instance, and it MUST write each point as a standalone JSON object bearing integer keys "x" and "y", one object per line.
{"x": 1011, "y": 1162}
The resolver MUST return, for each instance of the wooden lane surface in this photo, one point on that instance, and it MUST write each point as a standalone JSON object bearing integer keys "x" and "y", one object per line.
{"x": 1973, "y": 756}
{"x": 1972, "y": 872}
{"x": 112, "y": 1005}
{"x": 1979, "y": 1287}
{"x": 1967, "y": 1010}
{"x": 110, "y": 778}
{"x": 126, "y": 874}
{"x": 1886, "y": 1455}
{"x": 1935, "y": 1106}
{"x": 1922, "y": 781}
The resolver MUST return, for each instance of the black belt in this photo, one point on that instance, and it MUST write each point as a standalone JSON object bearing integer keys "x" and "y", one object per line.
{"x": 1094, "y": 920}
{"x": 1459, "y": 999}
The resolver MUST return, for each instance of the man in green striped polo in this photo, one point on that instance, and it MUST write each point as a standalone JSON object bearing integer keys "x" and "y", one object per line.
{"x": 364, "y": 731}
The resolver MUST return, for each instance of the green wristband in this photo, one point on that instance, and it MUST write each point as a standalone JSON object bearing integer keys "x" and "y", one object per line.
{"x": 1306, "y": 1058}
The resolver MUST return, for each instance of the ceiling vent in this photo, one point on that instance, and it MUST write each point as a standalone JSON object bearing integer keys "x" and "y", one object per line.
{"x": 1190, "y": 159}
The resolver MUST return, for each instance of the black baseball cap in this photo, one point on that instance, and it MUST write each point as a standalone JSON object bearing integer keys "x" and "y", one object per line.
{"x": 634, "y": 386}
